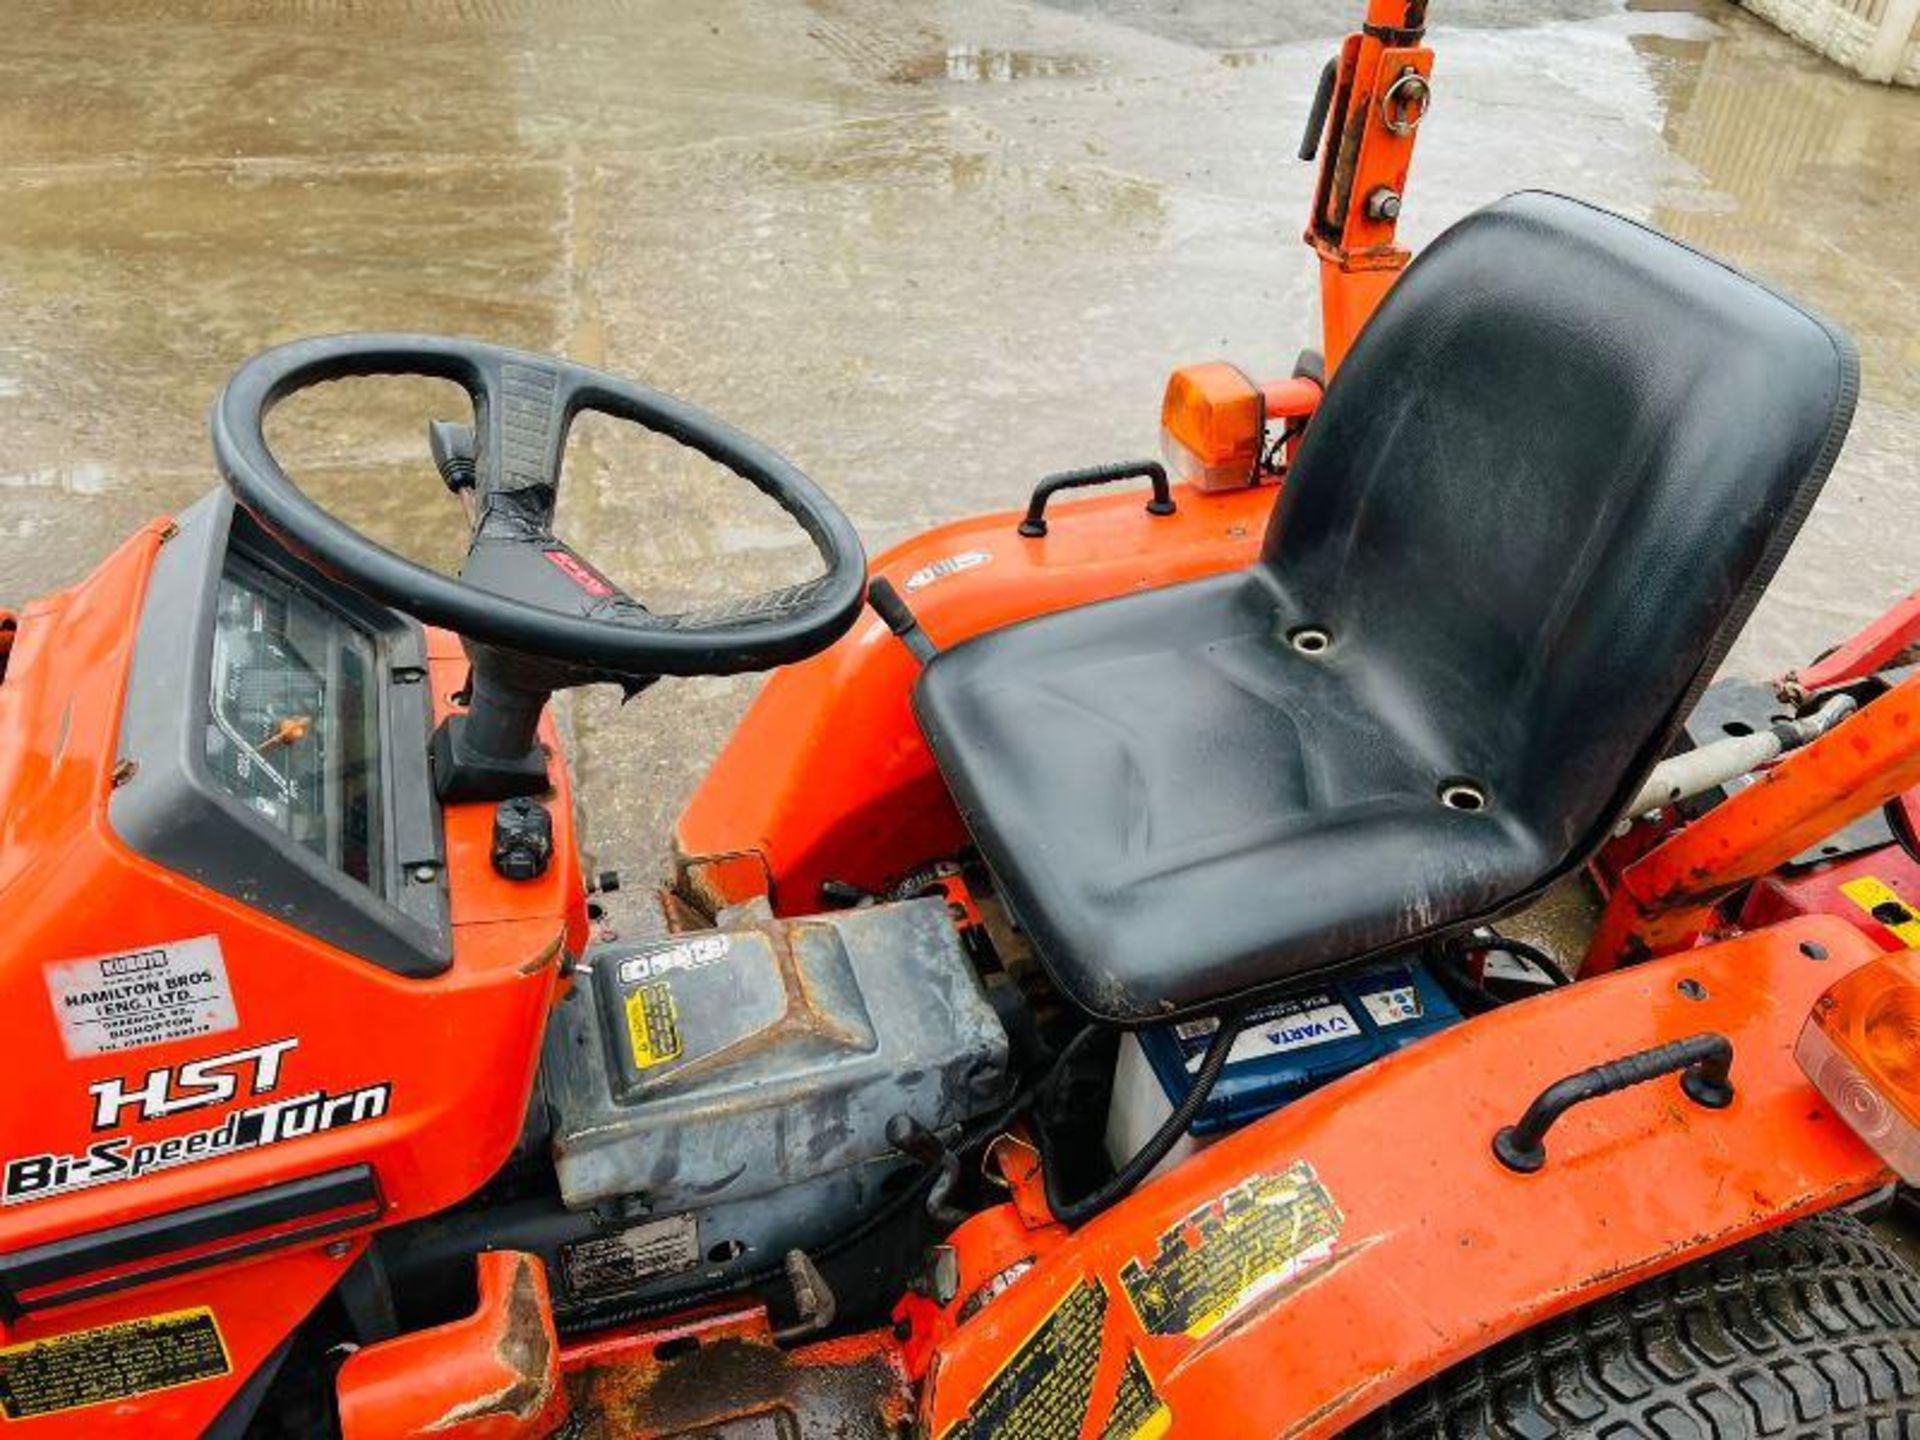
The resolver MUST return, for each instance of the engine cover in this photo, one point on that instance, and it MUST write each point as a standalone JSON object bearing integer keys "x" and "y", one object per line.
{"x": 727, "y": 1093}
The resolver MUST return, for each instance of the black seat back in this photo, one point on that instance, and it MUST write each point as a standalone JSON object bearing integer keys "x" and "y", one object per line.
{"x": 1545, "y": 490}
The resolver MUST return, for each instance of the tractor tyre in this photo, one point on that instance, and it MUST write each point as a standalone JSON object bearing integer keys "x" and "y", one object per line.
{"x": 1811, "y": 1330}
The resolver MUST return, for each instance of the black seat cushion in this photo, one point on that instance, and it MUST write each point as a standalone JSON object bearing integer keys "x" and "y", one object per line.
{"x": 1540, "y": 498}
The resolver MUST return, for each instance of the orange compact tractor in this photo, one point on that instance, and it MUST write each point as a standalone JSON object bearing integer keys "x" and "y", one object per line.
{"x": 1076, "y": 1010}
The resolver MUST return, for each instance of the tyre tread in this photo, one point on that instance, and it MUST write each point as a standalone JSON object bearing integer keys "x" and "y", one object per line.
{"x": 1811, "y": 1332}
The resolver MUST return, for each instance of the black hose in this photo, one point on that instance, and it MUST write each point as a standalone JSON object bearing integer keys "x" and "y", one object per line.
{"x": 1077, "y": 1212}
{"x": 1483, "y": 940}
{"x": 1450, "y": 969}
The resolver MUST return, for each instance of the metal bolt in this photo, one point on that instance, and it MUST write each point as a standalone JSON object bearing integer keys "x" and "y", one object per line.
{"x": 338, "y": 1249}
{"x": 425, "y": 873}
{"x": 1383, "y": 204}
{"x": 124, "y": 771}
{"x": 1692, "y": 989}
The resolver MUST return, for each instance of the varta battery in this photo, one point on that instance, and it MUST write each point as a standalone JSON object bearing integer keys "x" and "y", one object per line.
{"x": 1287, "y": 1047}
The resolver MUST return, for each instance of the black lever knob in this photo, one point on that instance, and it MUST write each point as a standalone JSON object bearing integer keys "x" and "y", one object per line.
{"x": 522, "y": 839}
{"x": 455, "y": 453}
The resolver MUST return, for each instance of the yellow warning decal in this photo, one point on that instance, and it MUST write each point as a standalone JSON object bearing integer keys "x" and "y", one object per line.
{"x": 653, "y": 1025}
{"x": 1041, "y": 1393}
{"x": 113, "y": 1362}
{"x": 1883, "y": 903}
{"x": 1261, "y": 1234}
{"x": 1138, "y": 1411}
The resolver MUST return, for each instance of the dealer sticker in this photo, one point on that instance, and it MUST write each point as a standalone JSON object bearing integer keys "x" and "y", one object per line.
{"x": 141, "y": 997}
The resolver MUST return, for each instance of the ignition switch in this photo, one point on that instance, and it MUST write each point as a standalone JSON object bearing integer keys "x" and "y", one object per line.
{"x": 522, "y": 839}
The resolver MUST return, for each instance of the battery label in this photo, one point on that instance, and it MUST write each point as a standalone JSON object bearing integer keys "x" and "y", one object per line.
{"x": 113, "y": 1362}
{"x": 1298, "y": 1024}
{"x": 141, "y": 997}
{"x": 1393, "y": 1007}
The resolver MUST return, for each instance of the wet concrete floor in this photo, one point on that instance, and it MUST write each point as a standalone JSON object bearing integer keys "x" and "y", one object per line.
{"x": 929, "y": 251}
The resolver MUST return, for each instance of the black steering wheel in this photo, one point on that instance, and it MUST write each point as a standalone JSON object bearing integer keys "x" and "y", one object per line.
{"x": 535, "y": 616}
{"x": 521, "y": 589}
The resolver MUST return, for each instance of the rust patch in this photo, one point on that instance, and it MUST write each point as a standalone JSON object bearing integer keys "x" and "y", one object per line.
{"x": 547, "y": 956}
{"x": 525, "y": 1350}
{"x": 693, "y": 1381}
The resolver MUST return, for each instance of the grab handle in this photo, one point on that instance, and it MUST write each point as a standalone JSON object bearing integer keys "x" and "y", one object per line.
{"x": 1705, "y": 1063}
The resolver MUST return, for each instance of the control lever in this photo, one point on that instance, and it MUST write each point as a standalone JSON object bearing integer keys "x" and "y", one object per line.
{"x": 813, "y": 1299}
{"x": 911, "y": 1138}
{"x": 455, "y": 454}
{"x": 1317, "y": 111}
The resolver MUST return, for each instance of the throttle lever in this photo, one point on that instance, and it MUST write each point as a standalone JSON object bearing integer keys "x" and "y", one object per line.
{"x": 911, "y": 1138}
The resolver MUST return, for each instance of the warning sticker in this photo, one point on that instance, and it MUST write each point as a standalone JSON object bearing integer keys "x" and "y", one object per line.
{"x": 1258, "y": 1235}
{"x": 1041, "y": 1393}
{"x": 114, "y": 1362}
{"x": 1138, "y": 1411}
{"x": 141, "y": 997}
{"x": 616, "y": 1262}
{"x": 653, "y": 1025}
{"x": 1883, "y": 903}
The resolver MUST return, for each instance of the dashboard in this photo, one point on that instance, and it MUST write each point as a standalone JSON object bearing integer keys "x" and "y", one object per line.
{"x": 293, "y": 727}
{"x": 279, "y": 723}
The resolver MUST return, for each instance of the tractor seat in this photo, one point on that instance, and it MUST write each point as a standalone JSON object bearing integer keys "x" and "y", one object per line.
{"x": 1539, "y": 500}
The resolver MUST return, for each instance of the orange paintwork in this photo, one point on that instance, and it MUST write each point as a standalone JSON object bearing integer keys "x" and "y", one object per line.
{"x": 459, "y": 1049}
{"x": 827, "y": 777}
{"x": 1880, "y": 644}
{"x": 1440, "y": 1251}
{"x": 1361, "y": 158}
{"x": 493, "y": 1375}
{"x": 1665, "y": 899}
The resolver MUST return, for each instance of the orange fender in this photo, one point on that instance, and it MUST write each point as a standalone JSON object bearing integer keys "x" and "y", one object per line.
{"x": 494, "y": 1375}
{"x": 1307, "y": 1269}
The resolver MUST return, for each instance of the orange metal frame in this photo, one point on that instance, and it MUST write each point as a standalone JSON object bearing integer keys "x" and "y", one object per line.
{"x": 1667, "y": 899}
{"x": 1381, "y": 92}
